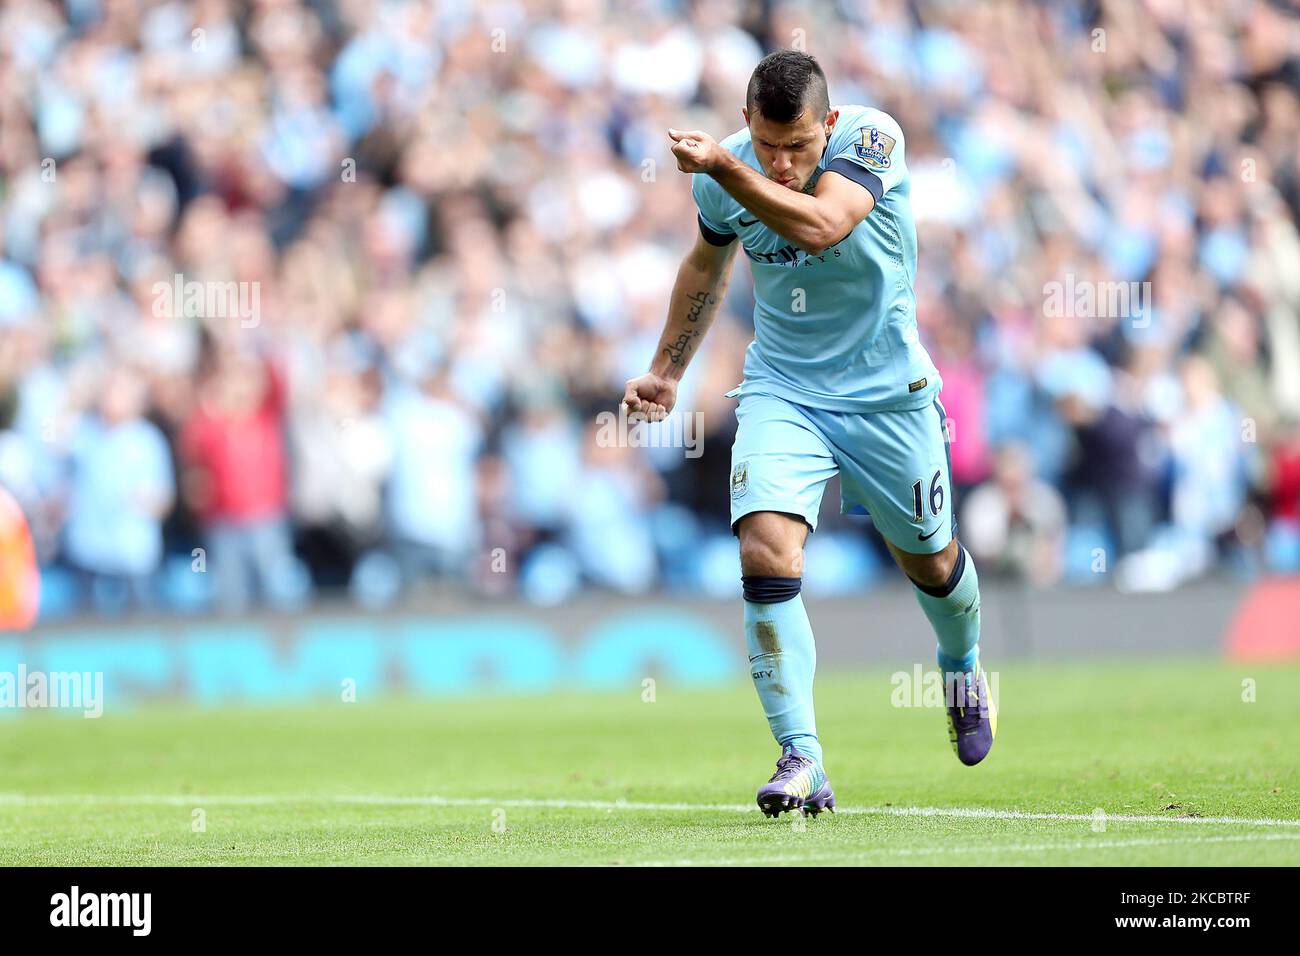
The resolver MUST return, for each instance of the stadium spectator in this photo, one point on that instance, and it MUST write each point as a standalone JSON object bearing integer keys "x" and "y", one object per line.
{"x": 1284, "y": 513}
{"x": 120, "y": 488}
{"x": 236, "y": 479}
{"x": 1015, "y": 524}
{"x": 1209, "y": 463}
{"x": 432, "y": 505}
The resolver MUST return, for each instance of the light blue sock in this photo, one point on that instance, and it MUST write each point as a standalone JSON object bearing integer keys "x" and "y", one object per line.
{"x": 954, "y": 612}
{"x": 782, "y": 659}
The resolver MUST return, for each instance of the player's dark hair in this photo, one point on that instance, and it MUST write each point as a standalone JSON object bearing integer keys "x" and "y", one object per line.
{"x": 785, "y": 83}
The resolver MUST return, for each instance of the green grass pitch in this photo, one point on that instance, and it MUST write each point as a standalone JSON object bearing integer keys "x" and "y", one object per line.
{"x": 1083, "y": 753}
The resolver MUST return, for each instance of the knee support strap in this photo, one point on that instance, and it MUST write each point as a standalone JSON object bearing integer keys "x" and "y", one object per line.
{"x": 769, "y": 588}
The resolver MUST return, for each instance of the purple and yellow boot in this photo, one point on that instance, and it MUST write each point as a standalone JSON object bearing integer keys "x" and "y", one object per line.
{"x": 972, "y": 718}
{"x": 798, "y": 784}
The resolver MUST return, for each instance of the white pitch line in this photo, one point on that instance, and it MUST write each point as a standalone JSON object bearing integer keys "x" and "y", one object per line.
{"x": 979, "y": 813}
{"x": 988, "y": 814}
{"x": 830, "y": 855}
{"x": 268, "y": 799}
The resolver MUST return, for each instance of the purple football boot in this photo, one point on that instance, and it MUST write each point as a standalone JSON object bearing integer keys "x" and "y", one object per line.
{"x": 798, "y": 784}
{"x": 972, "y": 720}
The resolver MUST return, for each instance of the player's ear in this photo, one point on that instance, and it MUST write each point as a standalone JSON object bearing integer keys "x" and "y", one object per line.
{"x": 831, "y": 117}
{"x": 744, "y": 111}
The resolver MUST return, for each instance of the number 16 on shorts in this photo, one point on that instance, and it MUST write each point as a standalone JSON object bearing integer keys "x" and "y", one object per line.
{"x": 934, "y": 497}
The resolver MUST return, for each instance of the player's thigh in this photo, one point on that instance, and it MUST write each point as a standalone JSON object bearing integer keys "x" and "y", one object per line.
{"x": 895, "y": 465}
{"x": 780, "y": 461}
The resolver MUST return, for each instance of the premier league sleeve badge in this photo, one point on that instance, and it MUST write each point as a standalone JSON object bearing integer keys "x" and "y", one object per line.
{"x": 875, "y": 147}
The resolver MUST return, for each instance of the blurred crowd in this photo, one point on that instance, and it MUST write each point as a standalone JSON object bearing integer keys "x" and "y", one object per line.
{"x": 303, "y": 298}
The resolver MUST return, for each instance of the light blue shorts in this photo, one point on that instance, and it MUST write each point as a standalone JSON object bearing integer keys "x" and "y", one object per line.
{"x": 893, "y": 466}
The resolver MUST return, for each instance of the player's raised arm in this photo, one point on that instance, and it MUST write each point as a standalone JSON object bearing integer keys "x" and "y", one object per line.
{"x": 810, "y": 220}
{"x": 813, "y": 221}
{"x": 701, "y": 284}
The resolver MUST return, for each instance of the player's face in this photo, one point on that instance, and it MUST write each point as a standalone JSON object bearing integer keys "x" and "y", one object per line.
{"x": 789, "y": 152}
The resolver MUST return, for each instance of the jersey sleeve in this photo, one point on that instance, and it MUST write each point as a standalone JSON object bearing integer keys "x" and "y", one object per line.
{"x": 712, "y": 220}
{"x": 870, "y": 152}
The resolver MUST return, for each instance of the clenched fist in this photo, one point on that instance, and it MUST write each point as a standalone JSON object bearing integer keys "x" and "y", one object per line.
{"x": 650, "y": 396}
{"x": 696, "y": 151}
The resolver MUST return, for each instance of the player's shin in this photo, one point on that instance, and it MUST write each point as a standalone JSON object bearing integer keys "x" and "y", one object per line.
{"x": 954, "y": 611}
{"x": 782, "y": 659}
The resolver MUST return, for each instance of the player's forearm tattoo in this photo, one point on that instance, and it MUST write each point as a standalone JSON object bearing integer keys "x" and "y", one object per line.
{"x": 678, "y": 352}
{"x": 698, "y": 301}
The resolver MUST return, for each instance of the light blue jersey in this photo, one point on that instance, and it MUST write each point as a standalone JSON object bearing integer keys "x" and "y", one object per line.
{"x": 835, "y": 331}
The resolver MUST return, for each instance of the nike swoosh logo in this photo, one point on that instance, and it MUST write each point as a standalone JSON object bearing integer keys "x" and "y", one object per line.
{"x": 925, "y": 537}
{"x": 750, "y": 223}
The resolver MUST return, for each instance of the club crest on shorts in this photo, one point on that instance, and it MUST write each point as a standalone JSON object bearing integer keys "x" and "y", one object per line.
{"x": 740, "y": 480}
{"x": 875, "y": 148}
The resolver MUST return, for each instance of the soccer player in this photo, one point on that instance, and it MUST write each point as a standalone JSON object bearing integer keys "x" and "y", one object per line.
{"x": 836, "y": 381}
